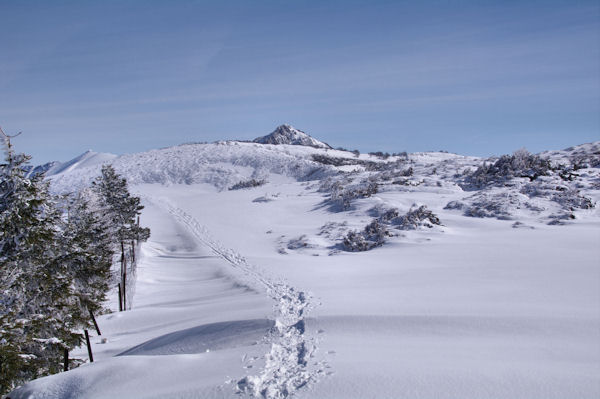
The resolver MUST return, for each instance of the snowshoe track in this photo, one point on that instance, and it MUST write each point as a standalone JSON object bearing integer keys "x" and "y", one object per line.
{"x": 287, "y": 367}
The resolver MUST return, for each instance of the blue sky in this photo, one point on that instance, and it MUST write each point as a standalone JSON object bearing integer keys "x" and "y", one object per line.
{"x": 477, "y": 78}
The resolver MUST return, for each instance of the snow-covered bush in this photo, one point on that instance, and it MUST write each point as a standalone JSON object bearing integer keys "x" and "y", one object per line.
{"x": 381, "y": 155}
{"x": 562, "y": 193}
{"x": 266, "y": 198}
{"x": 406, "y": 172}
{"x": 299, "y": 243}
{"x": 414, "y": 218}
{"x": 488, "y": 209}
{"x": 247, "y": 184}
{"x": 560, "y": 218}
{"x": 373, "y": 235}
{"x": 331, "y": 184}
{"x": 335, "y": 161}
{"x": 333, "y": 230}
{"x": 491, "y": 205}
{"x": 520, "y": 164}
{"x": 417, "y": 216}
{"x": 571, "y": 199}
{"x": 341, "y": 197}
{"x": 455, "y": 205}
{"x": 587, "y": 156}
{"x": 520, "y": 225}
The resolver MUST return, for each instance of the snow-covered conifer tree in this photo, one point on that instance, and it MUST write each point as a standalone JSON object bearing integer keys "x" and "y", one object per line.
{"x": 36, "y": 321}
{"x": 88, "y": 250}
{"x": 121, "y": 211}
{"x": 120, "y": 206}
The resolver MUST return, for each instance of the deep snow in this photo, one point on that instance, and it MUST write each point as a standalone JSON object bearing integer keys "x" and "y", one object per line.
{"x": 248, "y": 292}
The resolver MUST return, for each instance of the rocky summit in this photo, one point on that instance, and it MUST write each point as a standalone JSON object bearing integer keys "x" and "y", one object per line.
{"x": 287, "y": 134}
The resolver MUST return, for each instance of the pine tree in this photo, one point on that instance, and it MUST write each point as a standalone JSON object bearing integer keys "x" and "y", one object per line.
{"x": 36, "y": 323}
{"x": 88, "y": 250}
{"x": 121, "y": 210}
{"x": 121, "y": 207}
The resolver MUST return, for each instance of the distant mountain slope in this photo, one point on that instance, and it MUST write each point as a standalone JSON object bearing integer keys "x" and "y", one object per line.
{"x": 565, "y": 184}
{"x": 85, "y": 160}
{"x": 31, "y": 170}
{"x": 221, "y": 164}
{"x": 287, "y": 134}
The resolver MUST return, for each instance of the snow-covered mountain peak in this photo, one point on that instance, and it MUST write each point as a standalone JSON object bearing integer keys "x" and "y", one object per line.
{"x": 287, "y": 134}
{"x": 87, "y": 159}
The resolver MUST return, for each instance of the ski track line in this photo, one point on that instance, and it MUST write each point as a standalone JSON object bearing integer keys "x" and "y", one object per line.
{"x": 287, "y": 366}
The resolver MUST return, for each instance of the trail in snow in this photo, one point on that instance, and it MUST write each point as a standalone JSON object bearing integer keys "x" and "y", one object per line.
{"x": 287, "y": 367}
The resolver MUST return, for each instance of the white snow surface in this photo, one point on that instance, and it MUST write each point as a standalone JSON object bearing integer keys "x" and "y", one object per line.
{"x": 249, "y": 293}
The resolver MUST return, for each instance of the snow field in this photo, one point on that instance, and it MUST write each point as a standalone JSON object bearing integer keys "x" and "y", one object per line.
{"x": 191, "y": 325}
{"x": 480, "y": 309}
{"x": 475, "y": 308}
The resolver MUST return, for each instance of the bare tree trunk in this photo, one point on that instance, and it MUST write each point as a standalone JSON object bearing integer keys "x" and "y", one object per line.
{"x": 125, "y": 291}
{"x": 123, "y": 275}
{"x": 94, "y": 321}
{"x": 122, "y": 258}
{"x": 66, "y": 360}
{"x": 120, "y": 298}
{"x": 89, "y": 347}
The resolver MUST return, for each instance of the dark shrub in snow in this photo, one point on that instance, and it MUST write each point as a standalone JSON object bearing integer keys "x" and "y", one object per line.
{"x": 341, "y": 197}
{"x": 407, "y": 172}
{"x": 586, "y": 157}
{"x": 389, "y": 215}
{"x": 486, "y": 205}
{"x": 571, "y": 199}
{"x": 299, "y": 243}
{"x": 248, "y": 184}
{"x": 373, "y": 235}
{"x": 491, "y": 209}
{"x": 415, "y": 218}
{"x": 562, "y": 194}
{"x": 380, "y": 154}
{"x": 454, "y": 205}
{"x": 335, "y": 161}
{"x": 559, "y": 219}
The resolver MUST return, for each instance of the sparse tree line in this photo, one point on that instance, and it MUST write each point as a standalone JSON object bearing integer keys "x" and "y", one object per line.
{"x": 56, "y": 262}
